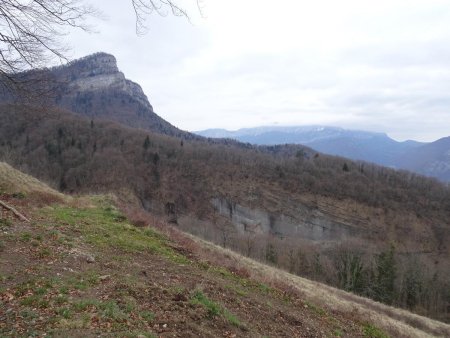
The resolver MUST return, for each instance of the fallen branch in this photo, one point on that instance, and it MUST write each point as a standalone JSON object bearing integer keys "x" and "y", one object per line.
{"x": 14, "y": 211}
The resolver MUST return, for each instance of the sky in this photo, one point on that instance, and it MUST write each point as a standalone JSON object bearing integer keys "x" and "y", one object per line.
{"x": 359, "y": 64}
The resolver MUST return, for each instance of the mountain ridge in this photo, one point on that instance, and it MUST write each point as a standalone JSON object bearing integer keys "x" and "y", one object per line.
{"x": 91, "y": 86}
{"x": 94, "y": 87}
{"x": 373, "y": 147}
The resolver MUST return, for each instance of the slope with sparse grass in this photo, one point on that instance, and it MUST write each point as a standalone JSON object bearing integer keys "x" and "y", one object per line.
{"x": 81, "y": 269}
{"x": 324, "y": 299}
{"x": 15, "y": 182}
{"x": 85, "y": 271}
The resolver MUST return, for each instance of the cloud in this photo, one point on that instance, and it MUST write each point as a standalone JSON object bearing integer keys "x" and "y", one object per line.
{"x": 382, "y": 66}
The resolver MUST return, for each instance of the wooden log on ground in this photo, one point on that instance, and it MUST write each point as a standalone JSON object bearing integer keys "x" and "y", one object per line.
{"x": 14, "y": 211}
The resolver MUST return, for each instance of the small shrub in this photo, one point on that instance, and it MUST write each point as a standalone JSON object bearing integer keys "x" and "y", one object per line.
{"x": 338, "y": 333}
{"x": 4, "y": 222}
{"x": 147, "y": 315}
{"x": 264, "y": 288}
{"x": 35, "y": 301}
{"x": 44, "y": 252}
{"x": 120, "y": 218}
{"x": 212, "y": 307}
{"x": 26, "y": 237}
{"x": 40, "y": 291}
{"x": 19, "y": 195}
{"x": 240, "y": 272}
{"x": 371, "y": 331}
{"x": 139, "y": 222}
{"x": 35, "y": 243}
{"x": 28, "y": 314}
{"x": 111, "y": 310}
{"x": 66, "y": 313}
{"x": 64, "y": 290}
{"x": 316, "y": 309}
{"x": 61, "y": 299}
{"x": 30, "y": 301}
{"x": 130, "y": 305}
{"x": 231, "y": 318}
{"x": 215, "y": 309}
{"x": 84, "y": 304}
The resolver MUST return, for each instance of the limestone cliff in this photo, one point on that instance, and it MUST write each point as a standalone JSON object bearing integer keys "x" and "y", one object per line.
{"x": 99, "y": 72}
{"x": 95, "y": 87}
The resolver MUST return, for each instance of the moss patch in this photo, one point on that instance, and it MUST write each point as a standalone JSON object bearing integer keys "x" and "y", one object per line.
{"x": 105, "y": 227}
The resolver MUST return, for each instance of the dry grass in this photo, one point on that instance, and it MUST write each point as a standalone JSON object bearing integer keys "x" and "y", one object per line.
{"x": 13, "y": 181}
{"x": 397, "y": 322}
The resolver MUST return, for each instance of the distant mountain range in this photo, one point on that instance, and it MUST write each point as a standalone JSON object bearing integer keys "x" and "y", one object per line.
{"x": 431, "y": 159}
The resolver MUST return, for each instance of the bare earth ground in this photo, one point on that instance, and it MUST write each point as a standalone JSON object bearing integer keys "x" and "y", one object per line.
{"x": 73, "y": 272}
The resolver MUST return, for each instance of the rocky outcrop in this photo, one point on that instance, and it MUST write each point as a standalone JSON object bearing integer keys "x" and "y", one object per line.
{"x": 99, "y": 72}
{"x": 95, "y": 87}
{"x": 308, "y": 223}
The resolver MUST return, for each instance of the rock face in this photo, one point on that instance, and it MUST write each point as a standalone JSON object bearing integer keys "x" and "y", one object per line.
{"x": 94, "y": 87}
{"x": 100, "y": 72}
{"x": 308, "y": 224}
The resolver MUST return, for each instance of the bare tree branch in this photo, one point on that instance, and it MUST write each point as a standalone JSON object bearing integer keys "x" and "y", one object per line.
{"x": 30, "y": 36}
{"x": 31, "y": 32}
{"x": 144, "y": 8}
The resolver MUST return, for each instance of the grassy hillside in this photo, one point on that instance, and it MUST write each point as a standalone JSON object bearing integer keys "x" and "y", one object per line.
{"x": 81, "y": 269}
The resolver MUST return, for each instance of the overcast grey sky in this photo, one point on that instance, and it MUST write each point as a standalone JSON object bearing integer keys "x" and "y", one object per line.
{"x": 361, "y": 64}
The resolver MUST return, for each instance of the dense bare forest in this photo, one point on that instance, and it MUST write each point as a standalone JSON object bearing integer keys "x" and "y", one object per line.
{"x": 397, "y": 254}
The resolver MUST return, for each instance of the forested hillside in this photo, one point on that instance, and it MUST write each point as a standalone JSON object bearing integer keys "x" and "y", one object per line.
{"x": 367, "y": 229}
{"x": 430, "y": 159}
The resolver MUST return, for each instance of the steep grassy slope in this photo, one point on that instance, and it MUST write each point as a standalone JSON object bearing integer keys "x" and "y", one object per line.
{"x": 14, "y": 182}
{"x": 80, "y": 269}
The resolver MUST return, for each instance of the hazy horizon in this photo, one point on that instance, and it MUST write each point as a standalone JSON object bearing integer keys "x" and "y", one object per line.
{"x": 311, "y": 126}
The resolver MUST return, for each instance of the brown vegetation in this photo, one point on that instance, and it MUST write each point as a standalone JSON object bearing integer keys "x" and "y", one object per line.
{"x": 80, "y": 269}
{"x": 179, "y": 178}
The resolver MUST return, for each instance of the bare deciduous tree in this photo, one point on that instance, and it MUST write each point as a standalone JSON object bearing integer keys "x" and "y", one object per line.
{"x": 31, "y": 30}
